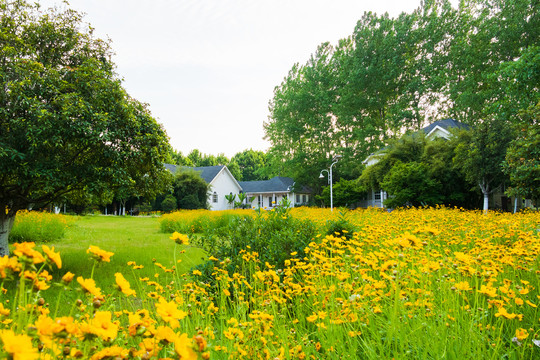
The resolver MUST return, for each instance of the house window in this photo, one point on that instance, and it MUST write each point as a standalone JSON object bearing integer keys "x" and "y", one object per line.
{"x": 270, "y": 201}
{"x": 298, "y": 199}
{"x": 377, "y": 195}
{"x": 304, "y": 199}
{"x": 259, "y": 200}
{"x": 214, "y": 197}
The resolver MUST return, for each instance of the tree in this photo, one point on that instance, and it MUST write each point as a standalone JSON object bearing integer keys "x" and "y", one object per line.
{"x": 169, "y": 204}
{"x": 190, "y": 190}
{"x": 345, "y": 193}
{"x": 414, "y": 162}
{"x": 479, "y": 155}
{"x": 522, "y": 161}
{"x": 251, "y": 164}
{"x": 410, "y": 184}
{"x": 67, "y": 123}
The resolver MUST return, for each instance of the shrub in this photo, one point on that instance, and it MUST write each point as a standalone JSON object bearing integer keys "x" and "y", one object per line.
{"x": 168, "y": 204}
{"x": 341, "y": 226}
{"x": 275, "y": 236}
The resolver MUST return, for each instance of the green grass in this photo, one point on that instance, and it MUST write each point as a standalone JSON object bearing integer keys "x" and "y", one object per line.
{"x": 130, "y": 239}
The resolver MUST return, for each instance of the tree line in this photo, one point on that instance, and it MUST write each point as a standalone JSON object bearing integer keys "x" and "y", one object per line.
{"x": 477, "y": 63}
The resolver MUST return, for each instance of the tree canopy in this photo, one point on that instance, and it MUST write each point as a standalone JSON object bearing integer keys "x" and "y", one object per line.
{"x": 476, "y": 63}
{"x": 66, "y": 122}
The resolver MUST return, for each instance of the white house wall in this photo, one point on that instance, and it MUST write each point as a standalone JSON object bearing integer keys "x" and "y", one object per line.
{"x": 270, "y": 200}
{"x": 223, "y": 184}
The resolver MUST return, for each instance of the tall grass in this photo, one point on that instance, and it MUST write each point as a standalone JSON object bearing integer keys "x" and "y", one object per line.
{"x": 35, "y": 226}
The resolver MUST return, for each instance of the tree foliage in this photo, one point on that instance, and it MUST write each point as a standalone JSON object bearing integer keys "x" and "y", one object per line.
{"x": 190, "y": 190}
{"x": 397, "y": 74}
{"x": 66, "y": 122}
{"x": 346, "y": 193}
{"x": 415, "y": 171}
{"x": 522, "y": 161}
{"x": 480, "y": 153}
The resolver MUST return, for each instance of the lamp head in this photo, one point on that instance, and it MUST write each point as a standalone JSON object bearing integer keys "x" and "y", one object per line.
{"x": 321, "y": 176}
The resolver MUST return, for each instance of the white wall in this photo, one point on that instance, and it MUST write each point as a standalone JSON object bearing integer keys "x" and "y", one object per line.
{"x": 223, "y": 184}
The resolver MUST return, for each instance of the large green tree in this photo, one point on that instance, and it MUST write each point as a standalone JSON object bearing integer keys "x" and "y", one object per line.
{"x": 190, "y": 190}
{"x": 416, "y": 170}
{"x": 522, "y": 161}
{"x": 66, "y": 122}
{"x": 251, "y": 164}
{"x": 480, "y": 153}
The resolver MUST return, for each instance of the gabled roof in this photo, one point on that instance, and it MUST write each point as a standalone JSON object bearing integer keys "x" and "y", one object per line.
{"x": 208, "y": 173}
{"x": 445, "y": 124}
{"x": 276, "y": 184}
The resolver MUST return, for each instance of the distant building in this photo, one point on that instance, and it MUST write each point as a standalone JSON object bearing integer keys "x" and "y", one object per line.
{"x": 265, "y": 193}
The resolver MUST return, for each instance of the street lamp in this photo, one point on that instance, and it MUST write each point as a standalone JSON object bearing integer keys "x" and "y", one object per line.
{"x": 329, "y": 174}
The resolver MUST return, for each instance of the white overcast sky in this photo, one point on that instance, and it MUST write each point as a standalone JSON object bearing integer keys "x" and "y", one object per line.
{"x": 208, "y": 68}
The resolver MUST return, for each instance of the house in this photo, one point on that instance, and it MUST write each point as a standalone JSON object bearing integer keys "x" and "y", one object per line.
{"x": 437, "y": 129}
{"x": 266, "y": 193}
{"x": 269, "y": 193}
{"x": 221, "y": 182}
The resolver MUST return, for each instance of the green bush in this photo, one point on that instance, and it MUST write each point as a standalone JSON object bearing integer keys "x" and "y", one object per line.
{"x": 274, "y": 236}
{"x": 168, "y": 204}
{"x": 341, "y": 227}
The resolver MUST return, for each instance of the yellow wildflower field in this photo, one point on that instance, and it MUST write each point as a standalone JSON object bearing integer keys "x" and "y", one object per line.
{"x": 409, "y": 284}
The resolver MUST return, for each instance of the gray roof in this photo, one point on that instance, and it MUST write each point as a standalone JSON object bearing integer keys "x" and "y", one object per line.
{"x": 445, "y": 124}
{"x": 208, "y": 173}
{"x": 276, "y": 184}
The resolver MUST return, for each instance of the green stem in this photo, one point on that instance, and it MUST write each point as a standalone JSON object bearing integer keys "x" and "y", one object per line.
{"x": 92, "y": 273}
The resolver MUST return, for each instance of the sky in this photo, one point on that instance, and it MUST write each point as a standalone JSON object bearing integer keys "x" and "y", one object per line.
{"x": 208, "y": 68}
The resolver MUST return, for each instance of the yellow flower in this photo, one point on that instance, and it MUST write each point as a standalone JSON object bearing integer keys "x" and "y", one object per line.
{"x": 123, "y": 284}
{"x": 505, "y": 314}
{"x": 488, "y": 290}
{"x": 178, "y": 238}
{"x": 99, "y": 254}
{"x": 53, "y": 256}
{"x": 101, "y": 325}
{"x": 182, "y": 346}
{"x": 521, "y": 334}
{"x": 113, "y": 352}
{"x": 165, "y": 334}
{"x": 68, "y": 277}
{"x": 19, "y": 347}
{"x": 8, "y": 265}
{"x": 197, "y": 272}
{"x": 26, "y": 250}
{"x": 463, "y": 286}
{"x": 169, "y": 312}
{"x": 3, "y": 310}
{"x": 89, "y": 285}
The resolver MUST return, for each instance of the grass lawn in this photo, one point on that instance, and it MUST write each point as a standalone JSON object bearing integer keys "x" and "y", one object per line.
{"x": 130, "y": 239}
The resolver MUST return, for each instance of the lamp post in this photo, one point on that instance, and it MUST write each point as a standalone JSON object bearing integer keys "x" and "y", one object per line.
{"x": 329, "y": 173}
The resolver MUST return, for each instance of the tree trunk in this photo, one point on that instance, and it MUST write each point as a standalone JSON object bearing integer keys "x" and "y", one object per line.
{"x": 6, "y": 224}
{"x": 484, "y": 186}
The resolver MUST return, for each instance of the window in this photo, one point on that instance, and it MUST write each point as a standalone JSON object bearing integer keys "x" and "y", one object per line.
{"x": 304, "y": 199}
{"x": 259, "y": 200}
{"x": 298, "y": 199}
{"x": 214, "y": 197}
